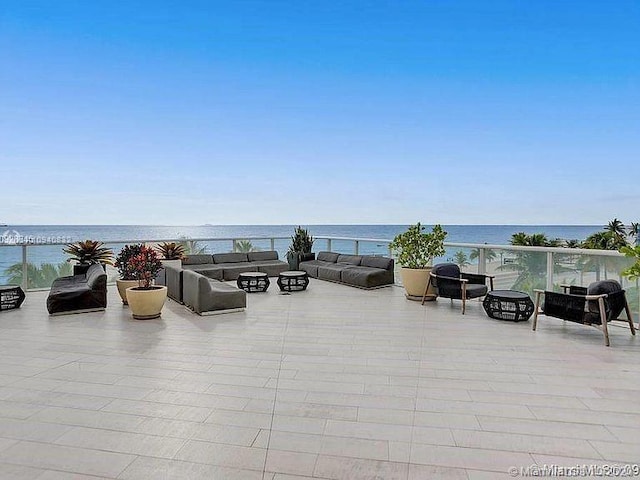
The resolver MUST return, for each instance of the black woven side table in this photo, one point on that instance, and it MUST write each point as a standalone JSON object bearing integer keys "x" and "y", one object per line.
{"x": 252, "y": 282}
{"x": 11, "y": 296}
{"x": 508, "y": 305}
{"x": 293, "y": 281}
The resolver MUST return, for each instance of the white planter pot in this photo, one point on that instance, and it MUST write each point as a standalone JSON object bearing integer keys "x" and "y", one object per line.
{"x": 146, "y": 304}
{"x": 415, "y": 281}
{"x": 122, "y": 288}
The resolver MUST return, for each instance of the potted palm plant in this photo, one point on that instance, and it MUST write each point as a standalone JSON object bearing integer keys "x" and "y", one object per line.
{"x": 86, "y": 253}
{"x": 416, "y": 250}
{"x": 300, "y": 248}
{"x": 146, "y": 300}
{"x": 172, "y": 254}
{"x": 125, "y": 270}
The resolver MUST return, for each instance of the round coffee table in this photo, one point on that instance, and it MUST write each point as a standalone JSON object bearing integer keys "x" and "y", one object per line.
{"x": 252, "y": 282}
{"x": 293, "y": 281}
{"x": 508, "y": 305}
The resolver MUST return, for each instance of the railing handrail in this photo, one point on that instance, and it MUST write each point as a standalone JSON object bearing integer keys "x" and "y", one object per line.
{"x": 563, "y": 250}
{"x": 524, "y": 248}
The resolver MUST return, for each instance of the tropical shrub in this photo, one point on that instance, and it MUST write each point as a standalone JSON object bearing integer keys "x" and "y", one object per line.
{"x": 171, "y": 250}
{"x": 145, "y": 266}
{"x": 88, "y": 252}
{"x": 122, "y": 261}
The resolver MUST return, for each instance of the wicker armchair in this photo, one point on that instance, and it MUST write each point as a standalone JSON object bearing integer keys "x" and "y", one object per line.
{"x": 596, "y": 305}
{"x": 449, "y": 282}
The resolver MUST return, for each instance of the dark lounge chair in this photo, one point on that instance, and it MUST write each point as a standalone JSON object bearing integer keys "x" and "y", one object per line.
{"x": 86, "y": 292}
{"x": 449, "y": 282}
{"x": 595, "y": 305}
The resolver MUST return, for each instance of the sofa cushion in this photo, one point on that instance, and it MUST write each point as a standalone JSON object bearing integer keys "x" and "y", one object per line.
{"x": 349, "y": 259}
{"x": 232, "y": 270}
{"x": 365, "y": 276}
{"x": 270, "y": 267}
{"x": 208, "y": 270}
{"x": 230, "y": 257}
{"x": 328, "y": 257}
{"x": 330, "y": 272}
{"x": 197, "y": 260}
{"x": 385, "y": 263}
{"x": 261, "y": 256}
{"x": 310, "y": 267}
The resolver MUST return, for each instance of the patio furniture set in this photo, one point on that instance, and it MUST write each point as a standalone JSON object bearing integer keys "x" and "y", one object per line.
{"x": 199, "y": 284}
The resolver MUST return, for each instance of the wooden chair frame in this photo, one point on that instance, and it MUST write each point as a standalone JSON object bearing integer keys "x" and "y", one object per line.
{"x": 601, "y": 310}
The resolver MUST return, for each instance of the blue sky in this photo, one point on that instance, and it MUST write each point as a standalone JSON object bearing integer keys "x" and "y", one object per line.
{"x": 287, "y": 112}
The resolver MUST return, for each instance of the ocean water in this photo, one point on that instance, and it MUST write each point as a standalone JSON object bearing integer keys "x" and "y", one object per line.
{"x": 490, "y": 234}
{"x": 493, "y": 234}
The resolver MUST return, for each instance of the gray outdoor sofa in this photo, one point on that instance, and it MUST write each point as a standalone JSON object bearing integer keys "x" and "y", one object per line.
{"x": 365, "y": 271}
{"x": 222, "y": 267}
{"x": 206, "y": 296}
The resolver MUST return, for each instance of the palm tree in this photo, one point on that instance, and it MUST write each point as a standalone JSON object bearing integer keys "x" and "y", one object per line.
{"x": 634, "y": 231}
{"x": 573, "y": 243}
{"x": 604, "y": 240}
{"x": 489, "y": 254}
{"x": 460, "y": 258}
{"x": 244, "y": 246}
{"x": 616, "y": 227}
{"x": 531, "y": 266}
{"x": 192, "y": 247}
{"x": 38, "y": 276}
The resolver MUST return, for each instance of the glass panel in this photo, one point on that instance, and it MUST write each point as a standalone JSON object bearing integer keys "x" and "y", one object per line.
{"x": 585, "y": 269}
{"x": 465, "y": 258}
{"x": 518, "y": 270}
{"x": 374, "y": 248}
{"x": 11, "y": 265}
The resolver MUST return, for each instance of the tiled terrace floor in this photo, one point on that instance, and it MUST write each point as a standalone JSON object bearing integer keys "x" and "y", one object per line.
{"x": 334, "y": 383}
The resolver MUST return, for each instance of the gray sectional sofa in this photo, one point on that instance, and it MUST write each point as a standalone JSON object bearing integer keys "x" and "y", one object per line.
{"x": 206, "y": 296}
{"x": 363, "y": 271}
{"x": 222, "y": 267}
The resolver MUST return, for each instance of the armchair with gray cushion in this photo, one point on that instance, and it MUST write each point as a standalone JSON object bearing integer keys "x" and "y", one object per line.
{"x": 449, "y": 282}
{"x": 597, "y": 305}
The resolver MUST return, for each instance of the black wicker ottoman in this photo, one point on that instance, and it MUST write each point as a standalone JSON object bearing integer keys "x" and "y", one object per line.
{"x": 252, "y": 282}
{"x": 508, "y": 305}
{"x": 293, "y": 281}
{"x": 11, "y": 296}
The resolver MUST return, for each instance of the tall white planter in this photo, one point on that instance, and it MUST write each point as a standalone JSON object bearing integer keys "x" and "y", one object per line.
{"x": 415, "y": 281}
{"x": 146, "y": 304}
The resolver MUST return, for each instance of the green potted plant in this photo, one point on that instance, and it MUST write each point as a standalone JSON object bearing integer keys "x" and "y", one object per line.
{"x": 300, "y": 248}
{"x": 171, "y": 251}
{"x": 146, "y": 300}
{"x": 416, "y": 250}
{"x": 125, "y": 270}
{"x": 86, "y": 253}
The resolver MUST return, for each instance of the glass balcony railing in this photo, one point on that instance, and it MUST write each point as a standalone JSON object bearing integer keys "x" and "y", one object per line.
{"x": 35, "y": 266}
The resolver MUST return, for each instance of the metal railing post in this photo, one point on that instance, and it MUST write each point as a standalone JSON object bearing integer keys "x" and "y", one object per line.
{"x": 234, "y": 245}
{"x": 25, "y": 270}
{"x": 357, "y": 247}
{"x": 273, "y": 244}
{"x": 482, "y": 261}
{"x": 550, "y": 271}
{"x": 328, "y": 244}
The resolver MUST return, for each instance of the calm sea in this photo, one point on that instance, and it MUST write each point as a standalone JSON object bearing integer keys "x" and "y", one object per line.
{"x": 492, "y": 234}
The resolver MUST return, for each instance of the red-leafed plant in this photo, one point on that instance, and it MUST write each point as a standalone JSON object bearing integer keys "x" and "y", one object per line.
{"x": 145, "y": 266}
